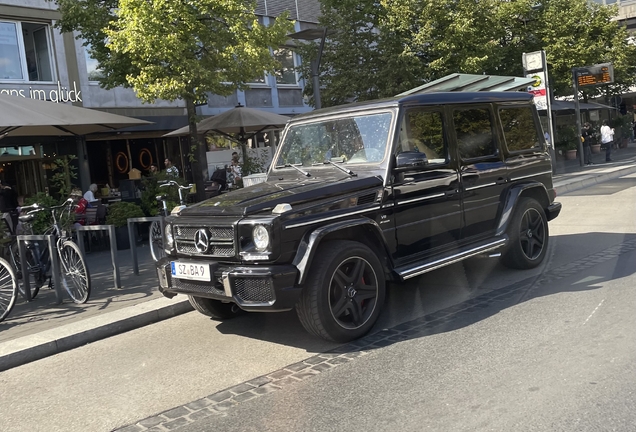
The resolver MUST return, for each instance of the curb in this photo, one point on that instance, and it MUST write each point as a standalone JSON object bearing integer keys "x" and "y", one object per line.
{"x": 564, "y": 186}
{"x": 18, "y": 352}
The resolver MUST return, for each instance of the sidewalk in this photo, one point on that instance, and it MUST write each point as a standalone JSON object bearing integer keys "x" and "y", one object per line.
{"x": 42, "y": 328}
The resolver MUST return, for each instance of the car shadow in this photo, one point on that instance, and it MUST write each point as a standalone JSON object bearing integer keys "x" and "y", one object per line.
{"x": 457, "y": 296}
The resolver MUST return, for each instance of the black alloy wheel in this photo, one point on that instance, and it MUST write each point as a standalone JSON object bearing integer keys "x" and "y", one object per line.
{"x": 528, "y": 236}
{"x": 344, "y": 291}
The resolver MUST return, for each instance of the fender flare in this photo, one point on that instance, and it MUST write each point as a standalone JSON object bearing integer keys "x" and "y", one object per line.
{"x": 310, "y": 242}
{"x": 514, "y": 194}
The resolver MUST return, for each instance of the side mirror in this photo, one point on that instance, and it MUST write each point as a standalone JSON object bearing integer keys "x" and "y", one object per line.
{"x": 410, "y": 161}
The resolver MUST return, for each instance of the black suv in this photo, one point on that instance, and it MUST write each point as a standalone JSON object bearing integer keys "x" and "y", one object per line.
{"x": 363, "y": 194}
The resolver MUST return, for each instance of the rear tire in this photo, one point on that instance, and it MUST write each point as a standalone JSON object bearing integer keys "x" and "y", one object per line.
{"x": 528, "y": 236}
{"x": 215, "y": 309}
{"x": 74, "y": 273}
{"x": 156, "y": 241}
{"x": 344, "y": 293}
{"x": 8, "y": 289}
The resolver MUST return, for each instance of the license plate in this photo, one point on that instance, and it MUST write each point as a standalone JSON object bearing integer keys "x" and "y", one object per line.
{"x": 191, "y": 271}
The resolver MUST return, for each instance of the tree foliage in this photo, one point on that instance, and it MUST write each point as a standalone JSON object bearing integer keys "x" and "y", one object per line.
{"x": 170, "y": 50}
{"x": 380, "y": 48}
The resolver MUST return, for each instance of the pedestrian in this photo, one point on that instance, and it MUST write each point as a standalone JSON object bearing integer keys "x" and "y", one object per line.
{"x": 90, "y": 195}
{"x": 9, "y": 206}
{"x": 171, "y": 169}
{"x": 587, "y": 134}
{"x": 153, "y": 169}
{"x": 607, "y": 139}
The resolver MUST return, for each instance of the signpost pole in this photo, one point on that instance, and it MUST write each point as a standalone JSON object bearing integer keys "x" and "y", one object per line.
{"x": 549, "y": 113}
{"x": 577, "y": 111}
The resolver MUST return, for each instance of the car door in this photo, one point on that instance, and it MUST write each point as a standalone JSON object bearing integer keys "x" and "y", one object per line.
{"x": 483, "y": 173}
{"x": 427, "y": 210}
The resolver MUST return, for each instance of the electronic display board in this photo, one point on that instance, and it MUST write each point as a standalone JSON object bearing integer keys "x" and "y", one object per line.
{"x": 594, "y": 75}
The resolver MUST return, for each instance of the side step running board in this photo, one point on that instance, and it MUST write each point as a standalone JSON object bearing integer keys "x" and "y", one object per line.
{"x": 412, "y": 270}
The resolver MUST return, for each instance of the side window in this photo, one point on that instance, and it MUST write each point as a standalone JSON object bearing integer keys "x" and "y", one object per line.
{"x": 423, "y": 131}
{"x": 519, "y": 129}
{"x": 475, "y": 138}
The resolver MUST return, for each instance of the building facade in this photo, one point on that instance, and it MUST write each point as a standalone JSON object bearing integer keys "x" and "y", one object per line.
{"x": 37, "y": 61}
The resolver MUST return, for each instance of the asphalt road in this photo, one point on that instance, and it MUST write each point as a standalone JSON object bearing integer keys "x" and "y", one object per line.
{"x": 497, "y": 350}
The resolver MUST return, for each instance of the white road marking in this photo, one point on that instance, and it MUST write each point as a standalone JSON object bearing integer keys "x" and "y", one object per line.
{"x": 599, "y": 305}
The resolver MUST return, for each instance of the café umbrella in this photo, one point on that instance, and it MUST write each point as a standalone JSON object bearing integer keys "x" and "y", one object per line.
{"x": 240, "y": 123}
{"x": 20, "y": 116}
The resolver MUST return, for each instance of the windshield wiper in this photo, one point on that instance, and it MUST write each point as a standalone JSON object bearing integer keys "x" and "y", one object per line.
{"x": 341, "y": 168}
{"x": 302, "y": 171}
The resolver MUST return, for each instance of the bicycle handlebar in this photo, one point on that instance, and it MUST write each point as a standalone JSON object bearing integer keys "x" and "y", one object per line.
{"x": 174, "y": 183}
{"x": 35, "y": 208}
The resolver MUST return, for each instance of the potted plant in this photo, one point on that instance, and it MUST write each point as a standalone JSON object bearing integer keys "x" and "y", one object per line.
{"x": 566, "y": 141}
{"x": 118, "y": 215}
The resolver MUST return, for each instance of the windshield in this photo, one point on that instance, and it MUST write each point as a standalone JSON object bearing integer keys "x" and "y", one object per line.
{"x": 356, "y": 139}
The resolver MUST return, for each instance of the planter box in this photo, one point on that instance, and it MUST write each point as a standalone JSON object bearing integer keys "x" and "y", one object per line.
{"x": 570, "y": 154}
{"x": 596, "y": 148}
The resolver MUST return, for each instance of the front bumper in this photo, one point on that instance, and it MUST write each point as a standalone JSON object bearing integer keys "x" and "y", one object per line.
{"x": 253, "y": 288}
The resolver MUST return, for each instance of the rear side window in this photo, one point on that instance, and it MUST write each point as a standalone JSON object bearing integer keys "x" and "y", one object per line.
{"x": 474, "y": 131}
{"x": 519, "y": 128}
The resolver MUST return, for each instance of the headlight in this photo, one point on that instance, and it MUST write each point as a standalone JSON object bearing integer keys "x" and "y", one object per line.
{"x": 261, "y": 238}
{"x": 169, "y": 239}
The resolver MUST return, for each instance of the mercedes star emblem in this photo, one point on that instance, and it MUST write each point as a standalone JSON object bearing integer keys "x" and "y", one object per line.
{"x": 201, "y": 241}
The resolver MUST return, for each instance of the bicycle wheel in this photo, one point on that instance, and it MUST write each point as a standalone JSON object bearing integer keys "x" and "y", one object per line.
{"x": 75, "y": 278}
{"x": 36, "y": 271}
{"x": 8, "y": 289}
{"x": 156, "y": 241}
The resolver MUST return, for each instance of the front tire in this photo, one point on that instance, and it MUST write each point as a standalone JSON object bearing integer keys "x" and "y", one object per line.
{"x": 344, "y": 293}
{"x": 215, "y": 309}
{"x": 156, "y": 241}
{"x": 528, "y": 236}
{"x": 74, "y": 273}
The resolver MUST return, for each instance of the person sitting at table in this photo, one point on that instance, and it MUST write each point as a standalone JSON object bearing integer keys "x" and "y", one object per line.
{"x": 81, "y": 206}
{"x": 89, "y": 196}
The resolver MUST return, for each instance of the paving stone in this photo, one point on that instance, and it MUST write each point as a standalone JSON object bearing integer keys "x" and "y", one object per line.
{"x": 303, "y": 375}
{"x": 314, "y": 360}
{"x": 152, "y": 421}
{"x": 257, "y": 382}
{"x": 244, "y": 397}
{"x": 131, "y": 428}
{"x": 221, "y": 396}
{"x": 280, "y": 374}
{"x": 265, "y": 389}
{"x": 241, "y": 388}
{"x": 198, "y": 415}
{"x": 225, "y": 405}
{"x": 174, "y": 424}
{"x": 339, "y": 360}
{"x": 198, "y": 404}
{"x": 297, "y": 366}
{"x": 322, "y": 367}
{"x": 285, "y": 382}
{"x": 176, "y": 412}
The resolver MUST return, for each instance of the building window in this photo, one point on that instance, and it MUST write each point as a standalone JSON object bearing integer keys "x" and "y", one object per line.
{"x": 25, "y": 52}
{"x": 92, "y": 66}
{"x": 287, "y": 73}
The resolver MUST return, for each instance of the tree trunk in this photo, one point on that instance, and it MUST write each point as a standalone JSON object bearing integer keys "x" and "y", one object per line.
{"x": 200, "y": 165}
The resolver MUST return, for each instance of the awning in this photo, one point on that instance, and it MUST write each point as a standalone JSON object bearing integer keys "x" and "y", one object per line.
{"x": 562, "y": 106}
{"x": 472, "y": 83}
{"x": 21, "y": 116}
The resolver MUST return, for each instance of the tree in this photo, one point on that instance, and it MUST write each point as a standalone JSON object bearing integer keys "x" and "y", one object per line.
{"x": 382, "y": 48}
{"x": 177, "y": 50}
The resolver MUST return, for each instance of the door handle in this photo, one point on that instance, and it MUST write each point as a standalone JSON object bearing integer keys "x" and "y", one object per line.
{"x": 501, "y": 181}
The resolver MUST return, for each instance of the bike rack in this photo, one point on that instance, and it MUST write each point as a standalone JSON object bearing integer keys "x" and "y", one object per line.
{"x": 113, "y": 246}
{"x": 131, "y": 236}
{"x": 55, "y": 264}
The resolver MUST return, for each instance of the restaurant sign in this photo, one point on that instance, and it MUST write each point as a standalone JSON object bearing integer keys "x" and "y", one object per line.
{"x": 56, "y": 94}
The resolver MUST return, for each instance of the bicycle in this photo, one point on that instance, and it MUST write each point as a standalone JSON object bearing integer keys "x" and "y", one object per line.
{"x": 8, "y": 288}
{"x": 156, "y": 236}
{"x": 74, "y": 275}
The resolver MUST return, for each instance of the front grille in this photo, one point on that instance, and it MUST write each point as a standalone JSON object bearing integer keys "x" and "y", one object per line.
{"x": 254, "y": 290}
{"x": 195, "y": 287}
{"x": 220, "y": 240}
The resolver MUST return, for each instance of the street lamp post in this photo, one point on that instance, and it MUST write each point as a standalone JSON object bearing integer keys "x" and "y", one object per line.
{"x": 309, "y": 35}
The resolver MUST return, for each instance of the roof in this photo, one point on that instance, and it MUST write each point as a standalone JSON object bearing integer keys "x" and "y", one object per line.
{"x": 437, "y": 98}
{"x": 471, "y": 83}
{"x": 562, "y": 105}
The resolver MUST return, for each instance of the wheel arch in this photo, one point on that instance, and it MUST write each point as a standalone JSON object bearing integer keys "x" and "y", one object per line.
{"x": 362, "y": 230}
{"x": 534, "y": 190}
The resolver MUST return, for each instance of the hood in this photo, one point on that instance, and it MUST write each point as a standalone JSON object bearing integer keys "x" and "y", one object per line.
{"x": 263, "y": 197}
